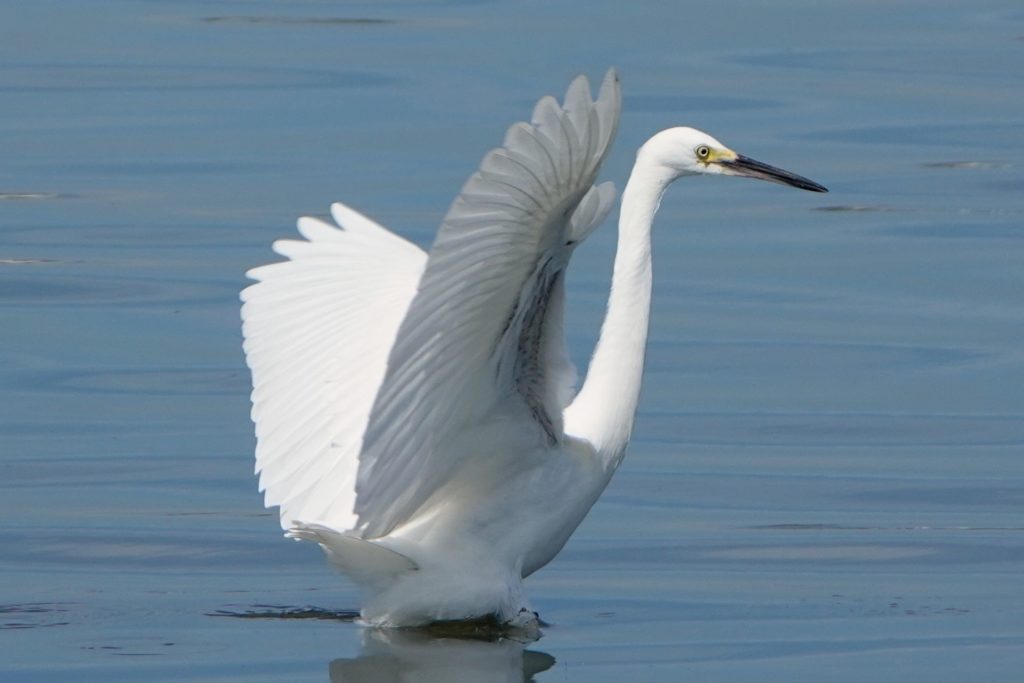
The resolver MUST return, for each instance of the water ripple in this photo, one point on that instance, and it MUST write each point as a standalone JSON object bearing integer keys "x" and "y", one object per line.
{"x": 58, "y": 77}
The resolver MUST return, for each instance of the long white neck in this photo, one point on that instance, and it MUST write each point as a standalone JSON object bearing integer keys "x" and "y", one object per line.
{"x": 606, "y": 404}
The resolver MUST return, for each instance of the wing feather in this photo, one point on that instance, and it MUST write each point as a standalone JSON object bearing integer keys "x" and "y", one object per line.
{"x": 318, "y": 328}
{"x": 483, "y": 332}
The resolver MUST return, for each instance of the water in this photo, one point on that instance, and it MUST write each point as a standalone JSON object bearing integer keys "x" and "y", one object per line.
{"x": 826, "y": 481}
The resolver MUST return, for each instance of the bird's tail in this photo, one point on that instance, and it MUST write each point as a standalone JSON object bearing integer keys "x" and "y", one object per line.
{"x": 365, "y": 562}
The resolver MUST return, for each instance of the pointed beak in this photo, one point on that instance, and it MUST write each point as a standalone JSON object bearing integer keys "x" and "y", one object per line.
{"x": 749, "y": 168}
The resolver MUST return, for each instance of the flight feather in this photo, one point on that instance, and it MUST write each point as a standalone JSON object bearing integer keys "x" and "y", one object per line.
{"x": 482, "y": 335}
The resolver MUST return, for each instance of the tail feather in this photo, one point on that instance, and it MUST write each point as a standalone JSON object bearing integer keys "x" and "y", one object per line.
{"x": 365, "y": 562}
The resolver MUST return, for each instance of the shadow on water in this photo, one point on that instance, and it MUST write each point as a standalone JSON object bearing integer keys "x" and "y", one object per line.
{"x": 485, "y": 629}
{"x": 284, "y": 612}
{"x": 411, "y": 656}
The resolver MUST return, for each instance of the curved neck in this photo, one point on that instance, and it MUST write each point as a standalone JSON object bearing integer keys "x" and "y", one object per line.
{"x": 605, "y": 406}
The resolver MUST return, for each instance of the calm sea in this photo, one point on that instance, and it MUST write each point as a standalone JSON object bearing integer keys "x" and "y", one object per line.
{"x": 827, "y": 476}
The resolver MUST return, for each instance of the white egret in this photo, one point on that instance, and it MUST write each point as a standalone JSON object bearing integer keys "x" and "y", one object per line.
{"x": 416, "y": 412}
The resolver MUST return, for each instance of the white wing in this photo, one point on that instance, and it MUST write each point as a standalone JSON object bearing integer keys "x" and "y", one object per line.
{"x": 318, "y": 328}
{"x": 483, "y": 332}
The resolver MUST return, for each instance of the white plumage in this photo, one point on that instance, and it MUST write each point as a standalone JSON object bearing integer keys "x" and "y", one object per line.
{"x": 318, "y": 330}
{"x": 416, "y": 413}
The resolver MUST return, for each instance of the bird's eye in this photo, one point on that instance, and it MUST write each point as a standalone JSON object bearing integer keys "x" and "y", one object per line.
{"x": 703, "y": 152}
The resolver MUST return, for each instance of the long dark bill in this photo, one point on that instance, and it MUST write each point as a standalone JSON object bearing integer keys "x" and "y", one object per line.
{"x": 745, "y": 166}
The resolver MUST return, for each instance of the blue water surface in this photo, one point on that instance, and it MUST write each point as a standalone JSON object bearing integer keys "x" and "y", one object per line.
{"x": 826, "y": 481}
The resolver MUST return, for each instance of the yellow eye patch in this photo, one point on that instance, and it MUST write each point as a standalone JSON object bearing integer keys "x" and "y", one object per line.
{"x": 709, "y": 155}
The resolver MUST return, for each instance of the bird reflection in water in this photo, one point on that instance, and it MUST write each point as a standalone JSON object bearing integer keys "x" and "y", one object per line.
{"x": 416, "y": 656}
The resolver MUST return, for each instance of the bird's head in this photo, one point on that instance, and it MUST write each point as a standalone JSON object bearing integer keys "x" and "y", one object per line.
{"x": 688, "y": 151}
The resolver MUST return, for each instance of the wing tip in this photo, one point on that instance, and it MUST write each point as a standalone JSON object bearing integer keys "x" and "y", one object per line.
{"x": 611, "y": 84}
{"x": 610, "y": 91}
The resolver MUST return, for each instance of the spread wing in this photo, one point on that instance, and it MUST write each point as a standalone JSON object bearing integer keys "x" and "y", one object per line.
{"x": 483, "y": 333}
{"x": 318, "y": 328}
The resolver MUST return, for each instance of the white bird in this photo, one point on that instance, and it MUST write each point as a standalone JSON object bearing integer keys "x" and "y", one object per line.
{"x": 416, "y": 412}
